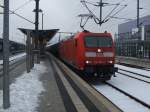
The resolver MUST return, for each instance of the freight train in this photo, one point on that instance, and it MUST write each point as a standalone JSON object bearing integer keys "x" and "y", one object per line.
{"x": 14, "y": 47}
{"x": 89, "y": 53}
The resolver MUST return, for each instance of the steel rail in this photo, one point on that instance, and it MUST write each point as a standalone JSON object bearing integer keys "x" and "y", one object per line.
{"x": 134, "y": 77}
{"x": 146, "y": 69}
{"x": 134, "y": 73}
{"x": 13, "y": 65}
{"x": 129, "y": 95}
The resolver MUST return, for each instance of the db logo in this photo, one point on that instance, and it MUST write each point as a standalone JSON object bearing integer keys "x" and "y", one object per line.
{"x": 99, "y": 54}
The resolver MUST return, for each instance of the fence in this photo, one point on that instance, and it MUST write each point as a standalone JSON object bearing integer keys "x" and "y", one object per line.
{"x": 131, "y": 45}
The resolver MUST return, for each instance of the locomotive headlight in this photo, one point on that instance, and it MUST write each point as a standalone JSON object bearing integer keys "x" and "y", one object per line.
{"x": 87, "y": 62}
{"x": 99, "y": 50}
{"x": 111, "y": 62}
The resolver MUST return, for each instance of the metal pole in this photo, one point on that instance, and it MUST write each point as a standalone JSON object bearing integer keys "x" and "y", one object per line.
{"x": 37, "y": 30}
{"x": 138, "y": 24}
{"x": 28, "y": 51}
{"x": 32, "y": 53}
{"x": 32, "y": 56}
{"x": 101, "y": 5}
{"x": 59, "y": 37}
{"x": 138, "y": 8}
{"x": 42, "y": 20}
{"x": 6, "y": 94}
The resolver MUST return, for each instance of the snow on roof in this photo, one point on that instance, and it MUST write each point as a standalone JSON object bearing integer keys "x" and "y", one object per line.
{"x": 24, "y": 93}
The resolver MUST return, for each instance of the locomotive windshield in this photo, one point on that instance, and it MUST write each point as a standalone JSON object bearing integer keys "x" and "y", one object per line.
{"x": 98, "y": 41}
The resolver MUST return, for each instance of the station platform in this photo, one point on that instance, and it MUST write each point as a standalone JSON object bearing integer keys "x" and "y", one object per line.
{"x": 56, "y": 98}
{"x": 64, "y": 91}
{"x": 67, "y": 92}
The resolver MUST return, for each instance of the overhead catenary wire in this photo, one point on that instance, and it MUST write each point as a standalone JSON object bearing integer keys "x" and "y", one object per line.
{"x": 12, "y": 12}
{"x": 119, "y": 11}
{"x": 132, "y": 11}
{"x": 121, "y": 18}
{"x": 27, "y": 2}
{"x": 109, "y": 15}
{"x": 118, "y": 4}
{"x": 94, "y": 16}
{"x": 110, "y": 12}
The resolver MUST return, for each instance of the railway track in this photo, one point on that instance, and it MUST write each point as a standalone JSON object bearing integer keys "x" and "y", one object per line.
{"x": 135, "y": 73}
{"x": 146, "y": 69}
{"x": 124, "y": 100}
{"x": 129, "y": 95}
{"x": 137, "y": 76}
{"x": 135, "y": 93}
{"x": 13, "y": 64}
{"x": 134, "y": 77}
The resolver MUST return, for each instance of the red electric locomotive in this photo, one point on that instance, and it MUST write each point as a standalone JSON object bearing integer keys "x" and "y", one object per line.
{"x": 91, "y": 53}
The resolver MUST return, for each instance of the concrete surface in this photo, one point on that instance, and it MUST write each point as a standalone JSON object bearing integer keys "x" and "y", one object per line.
{"x": 94, "y": 101}
{"x": 50, "y": 100}
{"x": 59, "y": 95}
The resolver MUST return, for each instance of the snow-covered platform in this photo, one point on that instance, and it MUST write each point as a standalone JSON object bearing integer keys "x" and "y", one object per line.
{"x": 52, "y": 87}
{"x": 76, "y": 94}
{"x": 133, "y": 61}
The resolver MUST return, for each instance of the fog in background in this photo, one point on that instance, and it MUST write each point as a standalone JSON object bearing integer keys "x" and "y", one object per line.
{"x": 63, "y": 15}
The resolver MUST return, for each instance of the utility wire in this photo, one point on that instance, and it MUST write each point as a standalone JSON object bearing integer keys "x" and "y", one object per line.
{"x": 118, "y": 4}
{"x": 96, "y": 19}
{"x": 84, "y": 4}
{"x": 121, "y": 18}
{"x": 12, "y": 12}
{"x": 23, "y": 5}
{"x": 111, "y": 12}
{"x": 89, "y": 2}
{"x": 118, "y": 11}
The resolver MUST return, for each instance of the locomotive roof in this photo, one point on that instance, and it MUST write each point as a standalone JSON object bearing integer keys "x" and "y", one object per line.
{"x": 85, "y": 33}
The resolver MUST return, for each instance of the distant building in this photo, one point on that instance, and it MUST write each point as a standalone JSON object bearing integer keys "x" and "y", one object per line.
{"x": 128, "y": 26}
{"x": 129, "y": 29}
{"x": 130, "y": 42}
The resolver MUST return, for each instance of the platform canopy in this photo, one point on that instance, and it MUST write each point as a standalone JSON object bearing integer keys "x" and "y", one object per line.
{"x": 43, "y": 34}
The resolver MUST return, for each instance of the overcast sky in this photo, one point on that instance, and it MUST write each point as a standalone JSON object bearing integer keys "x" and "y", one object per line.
{"x": 62, "y": 14}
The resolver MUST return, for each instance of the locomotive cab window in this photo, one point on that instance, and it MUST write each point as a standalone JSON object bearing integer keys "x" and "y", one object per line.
{"x": 92, "y": 41}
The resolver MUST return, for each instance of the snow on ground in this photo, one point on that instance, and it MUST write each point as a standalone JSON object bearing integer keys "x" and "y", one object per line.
{"x": 123, "y": 102}
{"x": 24, "y": 93}
{"x": 134, "y": 87}
{"x": 136, "y": 76}
{"x": 136, "y": 70}
{"x": 14, "y": 57}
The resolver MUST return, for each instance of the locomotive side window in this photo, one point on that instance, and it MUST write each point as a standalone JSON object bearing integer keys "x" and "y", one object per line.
{"x": 98, "y": 41}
